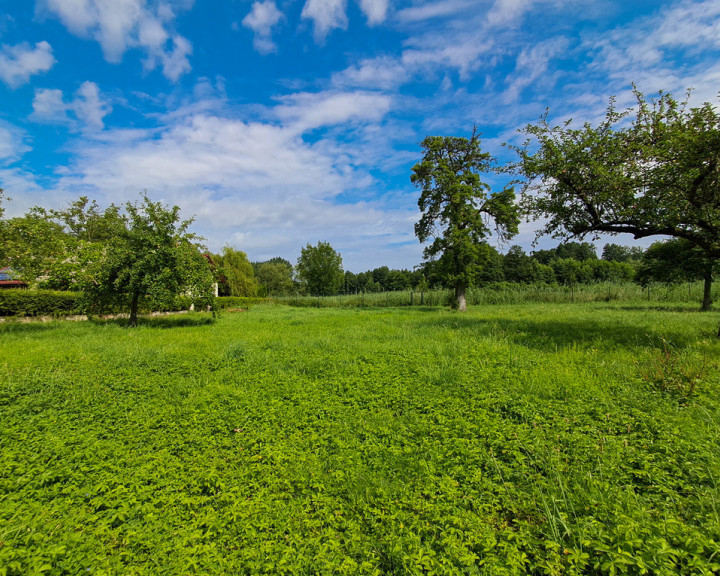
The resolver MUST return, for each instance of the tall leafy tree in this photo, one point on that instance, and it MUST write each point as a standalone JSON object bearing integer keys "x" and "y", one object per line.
{"x": 651, "y": 171}
{"x": 236, "y": 274}
{"x": 320, "y": 269}
{"x": 152, "y": 261}
{"x": 618, "y": 253}
{"x": 37, "y": 249}
{"x": 276, "y": 277}
{"x": 458, "y": 208}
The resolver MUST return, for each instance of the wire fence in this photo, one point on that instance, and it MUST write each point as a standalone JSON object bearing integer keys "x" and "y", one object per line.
{"x": 506, "y": 293}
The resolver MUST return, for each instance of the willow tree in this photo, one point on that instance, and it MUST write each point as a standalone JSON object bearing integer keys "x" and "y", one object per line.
{"x": 458, "y": 209}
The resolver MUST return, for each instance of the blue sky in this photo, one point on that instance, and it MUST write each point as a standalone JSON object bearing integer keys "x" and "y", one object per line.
{"x": 279, "y": 123}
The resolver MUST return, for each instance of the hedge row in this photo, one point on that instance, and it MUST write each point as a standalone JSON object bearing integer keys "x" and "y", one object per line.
{"x": 39, "y": 303}
{"x": 238, "y": 301}
{"x": 55, "y": 303}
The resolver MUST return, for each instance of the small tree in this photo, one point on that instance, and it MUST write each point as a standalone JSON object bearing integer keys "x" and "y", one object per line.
{"x": 320, "y": 269}
{"x": 457, "y": 207}
{"x": 152, "y": 261}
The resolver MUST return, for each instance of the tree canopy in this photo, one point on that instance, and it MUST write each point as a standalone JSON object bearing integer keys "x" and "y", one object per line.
{"x": 320, "y": 269}
{"x": 153, "y": 259}
{"x": 236, "y": 275}
{"x": 654, "y": 170}
{"x": 275, "y": 276}
{"x": 678, "y": 261}
{"x": 457, "y": 207}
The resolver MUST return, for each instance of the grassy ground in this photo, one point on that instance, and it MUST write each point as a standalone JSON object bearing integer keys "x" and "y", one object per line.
{"x": 543, "y": 439}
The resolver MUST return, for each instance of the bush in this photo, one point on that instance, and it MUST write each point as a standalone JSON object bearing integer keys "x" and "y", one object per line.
{"x": 238, "y": 301}
{"x": 39, "y": 303}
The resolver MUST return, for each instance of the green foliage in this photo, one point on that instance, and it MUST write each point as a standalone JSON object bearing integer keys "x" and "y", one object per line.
{"x": 516, "y": 440}
{"x": 152, "y": 262}
{"x": 85, "y": 221}
{"x": 38, "y": 249}
{"x": 455, "y": 205}
{"x": 235, "y": 273}
{"x": 275, "y": 277}
{"x": 666, "y": 296}
{"x": 580, "y": 251}
{"x": 238, "y": 301}
{"x": 674, "y": 371}
{"x": 320, "y": 270}
{"x": 676, "y": 261}
{"x": 39, "y": 303}
{"x": 656, "y": 174}
{"x": 618, "y": 253}
{"x": 673, "y": 261}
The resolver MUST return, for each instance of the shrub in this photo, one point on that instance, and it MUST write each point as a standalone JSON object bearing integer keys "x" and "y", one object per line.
{"x": 238, "y": 301}
{"x": 39, "y": 303}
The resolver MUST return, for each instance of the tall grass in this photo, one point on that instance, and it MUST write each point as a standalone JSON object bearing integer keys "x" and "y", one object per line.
{"x": 516, "y": 439}
{"x": 507, "y": 293}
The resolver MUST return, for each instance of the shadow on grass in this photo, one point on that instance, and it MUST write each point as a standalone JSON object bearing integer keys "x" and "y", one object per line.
{"x": 550, "y": 335}
{"x": 159, "y": 322}
{"x": 660, "y": 308}
{"x": 20, "y": 326}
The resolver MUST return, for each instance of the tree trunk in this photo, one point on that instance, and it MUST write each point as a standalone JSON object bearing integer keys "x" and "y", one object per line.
{"x": 134, "y": 309}
{"x": 460, "y": 296}
{"x": 707, "y": 289}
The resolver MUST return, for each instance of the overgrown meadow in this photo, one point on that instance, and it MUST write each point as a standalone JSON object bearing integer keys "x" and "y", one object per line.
{"x": 514, "y": 439}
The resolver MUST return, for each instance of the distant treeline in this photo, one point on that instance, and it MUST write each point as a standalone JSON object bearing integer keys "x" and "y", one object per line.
{"x": 568, "y": 264}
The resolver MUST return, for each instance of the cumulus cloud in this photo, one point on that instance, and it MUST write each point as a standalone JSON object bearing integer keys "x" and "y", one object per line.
{"x": 382, "y": 72}
{"x": 85, "y": 111}
{"x": 375, "y": 10}
{"x": 18, "y": 63}
{"x": 261, "y": 20}
{"x": 120, "y": 25}
{"x": 265, "y": 186}
{"x": 326, "y": 15}
{"x": 330, "y": 14}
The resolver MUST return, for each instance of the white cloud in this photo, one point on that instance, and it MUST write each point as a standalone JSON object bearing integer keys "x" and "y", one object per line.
{"x": 659, "y": 51}
{"x": 261, "y": 19}
{"x": 12, "y": 145}
{"x": 382, "y": 72}
{"x": 262, "y": 182}
{"x": 18, "y": 63}
{"x": 48, "y": 106}
{"x": 326, "y": 15}
{"x": 88, "y": 107}
{"x": 120, "y": 25}
{"x": 375, "y": 10}
{"x": 532, "y": 66}
{"x": 434, "y": 10}
{"x": 306, "y": 111}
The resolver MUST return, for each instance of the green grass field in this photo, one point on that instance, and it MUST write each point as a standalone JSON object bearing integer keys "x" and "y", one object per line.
{"x": 513, "y": 439}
